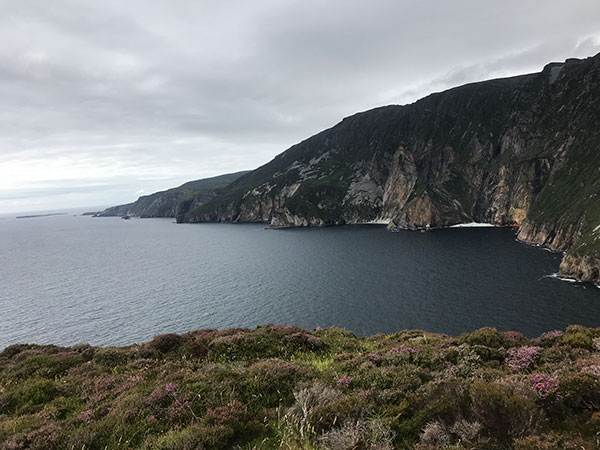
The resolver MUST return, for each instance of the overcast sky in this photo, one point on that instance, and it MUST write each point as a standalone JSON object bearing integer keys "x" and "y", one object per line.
{"x": 103, "y": 101}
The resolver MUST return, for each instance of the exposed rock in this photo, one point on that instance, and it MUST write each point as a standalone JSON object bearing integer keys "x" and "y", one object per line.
{"x": 581, "y": 268}
{"x": 556, "y": 239}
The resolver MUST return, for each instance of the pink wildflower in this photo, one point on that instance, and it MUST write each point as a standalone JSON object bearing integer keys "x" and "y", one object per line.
{"x": 374, "y": 357}
{"x": 522, "y": 358}
{"x": 551, "y": 336}
{"x": 344, "y": 381}
{"x": 545, "y": 386}
{"x": 86, "y": 416}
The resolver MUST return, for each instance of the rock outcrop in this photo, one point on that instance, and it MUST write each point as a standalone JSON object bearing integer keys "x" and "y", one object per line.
{"x": 520, "y": 151}
{"x": 582, "y": 268}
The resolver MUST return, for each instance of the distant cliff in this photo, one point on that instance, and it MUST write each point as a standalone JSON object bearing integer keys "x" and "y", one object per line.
{"x": 521, "y": 151}
{"x": 176, "y": 201}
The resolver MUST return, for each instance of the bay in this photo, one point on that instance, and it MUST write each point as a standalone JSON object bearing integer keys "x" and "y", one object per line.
{"x": 70, "y": 279}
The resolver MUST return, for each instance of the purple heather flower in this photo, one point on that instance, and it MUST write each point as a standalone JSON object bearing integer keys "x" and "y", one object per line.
{"x": 522, "y": 358}
{"x": 365, "y": 393}
{"x": 514, "y": 336}
{"x": 551, "y": 335}
{"x": 374, "y": 357}
{"x": 344, "y": 381}
{"x": 545, "y": 386}
{"x": 86, "y": 416}
{"x": 404, "y": 349}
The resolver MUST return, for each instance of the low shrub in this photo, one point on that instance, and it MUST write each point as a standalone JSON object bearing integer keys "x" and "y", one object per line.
{"x": 577, "y": 336}
{"x": 446, "y": 401}
{"x": 36, "y": 392}
{"x": 272, "y": 381}
{"x": 308, "y": 398}
{"x": 8, "y": 403}
{"x": 506, "y": 410}
{"x": 435, "y": 434}
{"x": 580, "y": 391}
{"x": 466, "y": 432}
{"x": 112, "y": 357}
{"x": 466, "y": 361}
{"x": 194, "y": 348}
{"x": 549, "y": 338}
{"x": 360, "y": 434}
{"x": 166, "y": 343}
{"x": 12, "y": 350}
{"x": 405, "y": 379}
{"x": 514, "y": 339}
{"x": 488, "y": 337}
{"x": 244, "y": 346}
{"x": 197, "y": 436}
{"x": 535, "y": 443}
{"x": 44, "y": 366}
{"x": 167, "y": 402}
{"x": 303, "y": 341}
{"x": 45, "y": 437}
{"x": 522, "y": 358}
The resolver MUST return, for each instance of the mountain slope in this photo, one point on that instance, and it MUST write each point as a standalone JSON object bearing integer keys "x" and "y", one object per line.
{"x": 174, "y": 201}
{"x": 515, "y": 151}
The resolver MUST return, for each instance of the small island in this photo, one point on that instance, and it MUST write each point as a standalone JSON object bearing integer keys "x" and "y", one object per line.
{"x": 286, "y": 387}
{"x": 32, "y": 216}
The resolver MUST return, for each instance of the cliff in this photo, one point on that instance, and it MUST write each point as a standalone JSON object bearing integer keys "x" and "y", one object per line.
{"x": 175, "y": 201}
{"x": 520, "y": 151}
{"x": 290, "y": 388}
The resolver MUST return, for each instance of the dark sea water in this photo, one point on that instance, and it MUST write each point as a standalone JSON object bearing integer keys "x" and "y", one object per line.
{"x": 107, "y": 281}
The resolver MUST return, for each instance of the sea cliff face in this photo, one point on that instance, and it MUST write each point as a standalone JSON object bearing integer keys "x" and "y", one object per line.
{"x": 519, "y": 151}
{"x": 583, "y": 268}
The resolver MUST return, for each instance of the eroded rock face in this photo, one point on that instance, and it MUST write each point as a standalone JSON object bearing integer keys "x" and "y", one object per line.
{"x": 582, "y": 268}
{"x": 520, "y": 151}
{"x": 555, "y": 238}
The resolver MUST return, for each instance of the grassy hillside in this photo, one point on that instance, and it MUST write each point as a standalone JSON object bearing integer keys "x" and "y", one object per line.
{"x": 285, "y": 387}
{"x": 166, "y": 203}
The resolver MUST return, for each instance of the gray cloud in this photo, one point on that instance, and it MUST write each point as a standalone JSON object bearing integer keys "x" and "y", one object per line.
{"x": 105, "y": 99}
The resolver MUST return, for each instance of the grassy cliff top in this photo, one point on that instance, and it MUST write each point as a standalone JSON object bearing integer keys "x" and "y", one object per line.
{"x": 286, "y": 387}
{"x": 164, "y": 203}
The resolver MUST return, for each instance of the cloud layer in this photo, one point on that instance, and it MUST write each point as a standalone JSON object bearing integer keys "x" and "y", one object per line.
{"x": 104, "y": 100}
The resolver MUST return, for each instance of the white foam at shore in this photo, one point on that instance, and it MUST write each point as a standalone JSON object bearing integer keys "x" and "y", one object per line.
{"x": 555, "y": 275}
{"x": 378, "y": 222}
{"x": 472, "y": 225}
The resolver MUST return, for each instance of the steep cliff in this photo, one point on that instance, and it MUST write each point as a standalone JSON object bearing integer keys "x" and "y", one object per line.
{"x": 518, "y": 151}
{"x": 175, "y": 201}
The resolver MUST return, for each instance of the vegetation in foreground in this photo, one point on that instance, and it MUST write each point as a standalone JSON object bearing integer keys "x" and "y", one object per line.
{"x": 285, "y": 387}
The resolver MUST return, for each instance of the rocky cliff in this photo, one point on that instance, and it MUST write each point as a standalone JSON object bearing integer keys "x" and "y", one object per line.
{"x": 175, "y": 201}
{"x": 520, "y": 151}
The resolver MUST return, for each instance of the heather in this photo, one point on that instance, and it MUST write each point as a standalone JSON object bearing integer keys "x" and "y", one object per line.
{"x": 285, "y": 387}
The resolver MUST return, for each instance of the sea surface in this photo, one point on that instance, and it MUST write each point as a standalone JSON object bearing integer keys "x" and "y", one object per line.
{"x": 70, "y": 279}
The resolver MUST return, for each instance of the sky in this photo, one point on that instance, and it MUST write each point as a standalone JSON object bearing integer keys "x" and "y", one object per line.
{"x": 104, "y": 101}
